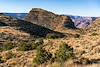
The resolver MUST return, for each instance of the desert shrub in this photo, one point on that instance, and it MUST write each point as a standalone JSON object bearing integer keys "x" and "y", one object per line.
{"x": 24, "y": 46}
{"x": 9, "y": 55}
{"x": 94, "y": 34}
{"x": 53, "y": 36}
{"x": 1, "y": 47}
{"x": 38, "y": 42}
{"x": 1, "y": 59}
{"x": 63, "y": 53}
{"x": 7, "y": 46}
{"x": 77, "y": 35}
{"x": 42, "y": 56}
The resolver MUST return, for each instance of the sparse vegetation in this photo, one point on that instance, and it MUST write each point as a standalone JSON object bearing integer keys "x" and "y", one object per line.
{"x": 1, "y": 59}
{"x": 94, "y": 34}
{"x": 7, "y": 46}
{"x": 9, "y": 55}
{"x": 52, "y": 36}
{"x": 77, "y": 35}
{"x": 25, "y": 46}
{"x": 21, "y": 42}
{"x": 42, "y": 56}
{"x": 37, "y": 43}
{"x": 65, "y": 52}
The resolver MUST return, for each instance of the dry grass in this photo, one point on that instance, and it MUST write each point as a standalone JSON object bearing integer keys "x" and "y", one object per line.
{"x": 87, "y": 46}
{"x": 11, "y": 31}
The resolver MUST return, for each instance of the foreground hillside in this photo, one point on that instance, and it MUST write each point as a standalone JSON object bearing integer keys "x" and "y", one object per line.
{"x": 45, "y": 39}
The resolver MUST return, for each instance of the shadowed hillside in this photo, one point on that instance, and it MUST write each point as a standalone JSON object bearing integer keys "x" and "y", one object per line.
{"x": 25, "y": 26}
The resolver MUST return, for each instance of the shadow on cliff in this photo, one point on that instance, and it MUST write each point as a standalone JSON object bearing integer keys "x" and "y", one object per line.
{"x": 34, "y": 29}
{"x": 3, "y": 24}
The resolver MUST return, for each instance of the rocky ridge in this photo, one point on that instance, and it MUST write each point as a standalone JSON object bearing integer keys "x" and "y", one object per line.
{"x": 49, "y": 19}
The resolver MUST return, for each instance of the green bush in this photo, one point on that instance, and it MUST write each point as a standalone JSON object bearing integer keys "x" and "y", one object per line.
{"x": 42, "y": 56}
{"x": 38, "y": 42}
{"x": 65, "y": 52}
{"x": 94, "y": 34}
{"x": 9, "y": 55}
{"x": 1, "y": 59}
{"x": 24, "y": 46}
{"x": 7, "y": 46}
{"x": 52, "y": 36}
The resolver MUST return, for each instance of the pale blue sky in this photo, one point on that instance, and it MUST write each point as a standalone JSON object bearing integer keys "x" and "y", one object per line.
{"x": 68, "y": 7}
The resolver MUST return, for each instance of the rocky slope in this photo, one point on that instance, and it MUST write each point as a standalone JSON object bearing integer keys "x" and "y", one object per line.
{"x": 39, "y": 22}
{"x": 86, "y": 46}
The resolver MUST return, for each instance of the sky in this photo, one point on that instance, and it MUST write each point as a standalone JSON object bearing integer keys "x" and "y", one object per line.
{"x": 67, "y": 7}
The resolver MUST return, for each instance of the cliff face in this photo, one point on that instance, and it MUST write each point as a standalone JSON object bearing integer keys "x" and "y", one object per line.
{"x": 49, "y": 19}
{"x": 82, "y": 22}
